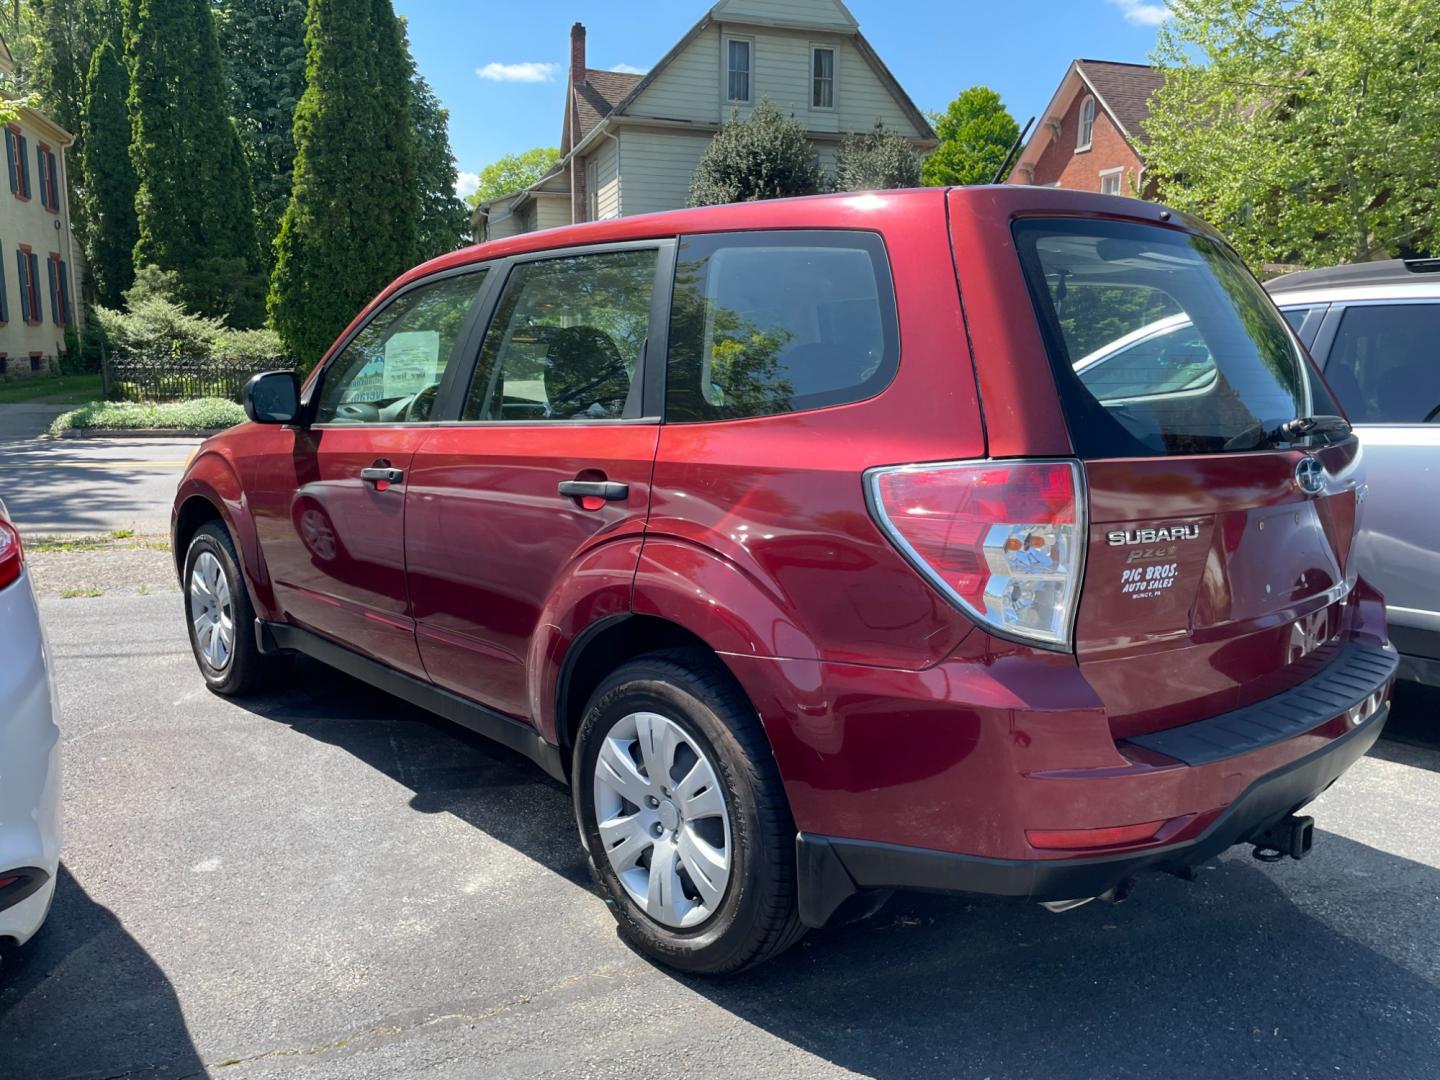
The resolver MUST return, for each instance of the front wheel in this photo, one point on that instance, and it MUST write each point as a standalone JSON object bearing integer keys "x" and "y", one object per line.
{"x": 220, "y": 617}
{"x": 684, "y": 817}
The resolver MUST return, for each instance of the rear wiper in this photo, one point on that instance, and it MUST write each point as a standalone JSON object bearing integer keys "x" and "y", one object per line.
{"x": 1302, "y": 427}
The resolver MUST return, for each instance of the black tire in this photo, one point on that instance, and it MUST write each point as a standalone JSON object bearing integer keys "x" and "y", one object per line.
{"x": 247, "y": 670}
{"x": 758, "y": 917}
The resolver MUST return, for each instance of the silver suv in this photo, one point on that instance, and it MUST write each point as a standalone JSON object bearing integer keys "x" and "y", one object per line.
{"x": 1375, "y": 329}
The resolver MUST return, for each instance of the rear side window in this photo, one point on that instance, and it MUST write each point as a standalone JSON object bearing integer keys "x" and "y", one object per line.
{"x": 566, "y": 339}
{"x": 777, "y": 322}
{"x": 1385, "y": 363}
{"x": 1161, "y": 341}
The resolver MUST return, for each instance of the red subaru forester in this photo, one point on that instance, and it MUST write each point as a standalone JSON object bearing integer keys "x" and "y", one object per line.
{"x": 990, "y": 540}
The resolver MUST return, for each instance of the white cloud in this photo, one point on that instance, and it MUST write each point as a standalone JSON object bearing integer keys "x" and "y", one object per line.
{"x": 466, "y": 183}
{"x": 528, "y": 72}
{"x": 626, "y": 69}
{"x": 1141, "y": 13}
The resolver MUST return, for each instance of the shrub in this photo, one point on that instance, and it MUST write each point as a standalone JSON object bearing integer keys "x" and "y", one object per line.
{"x": 764, "y": 156}
{"x": 876, "y": 160}
{"x": 206, "y": 414}
{"x": 156, "y": 327}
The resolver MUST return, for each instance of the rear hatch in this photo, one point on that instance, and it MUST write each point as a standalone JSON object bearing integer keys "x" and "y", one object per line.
{"x": 1218, "y": 542}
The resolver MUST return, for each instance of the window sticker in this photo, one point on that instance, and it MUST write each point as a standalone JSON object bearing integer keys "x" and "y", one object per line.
{"x": 412, "y": 362}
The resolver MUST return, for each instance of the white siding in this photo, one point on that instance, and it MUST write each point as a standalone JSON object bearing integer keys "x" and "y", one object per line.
{"x": 607, "y": 179}
{"x": 657, "y": 168}
{"x": 691, "y": 87}
{"x": 549, "y": 211}
{"x": 502, "y": 223}
{"x": 800, "y": 12}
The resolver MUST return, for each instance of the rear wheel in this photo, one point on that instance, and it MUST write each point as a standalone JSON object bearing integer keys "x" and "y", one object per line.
{"x": 220, "y": 617}
{"x": 684, "y": 817}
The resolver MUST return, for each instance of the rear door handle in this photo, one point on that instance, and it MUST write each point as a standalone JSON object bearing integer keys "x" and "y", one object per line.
{"x": 595, "y": 489}
{"x": 379, "y": 475}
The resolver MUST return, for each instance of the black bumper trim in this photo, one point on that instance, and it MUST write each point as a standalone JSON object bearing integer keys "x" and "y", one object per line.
{"x": 831, "y": 868}
{"x": 31, "y": 879}
{"x": 1348, "y": 680}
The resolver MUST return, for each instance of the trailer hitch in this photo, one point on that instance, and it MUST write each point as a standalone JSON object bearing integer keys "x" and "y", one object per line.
{"x": 1291, "y": 836}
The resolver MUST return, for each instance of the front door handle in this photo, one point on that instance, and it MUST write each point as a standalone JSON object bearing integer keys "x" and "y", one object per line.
{"x": 382, "y": 477}
{"x": 595, "y": 489}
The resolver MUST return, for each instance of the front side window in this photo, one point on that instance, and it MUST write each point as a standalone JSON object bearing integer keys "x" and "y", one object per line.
{"x": 566, "y": 339}
{"x": 1161, "y": 341}
{"x": 737, "y": 70}
{"x": 776, "y": 322}
{"x": 390, "y": 372}
{"x": 822, "y": 91}
{"x": 1087, "y": 124}
{"x": 1385, "y": 363}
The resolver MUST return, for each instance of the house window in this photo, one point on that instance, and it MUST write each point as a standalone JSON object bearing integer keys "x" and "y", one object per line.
{"x": 59, "y": 289}
{"x": 1087, "y": 124}
{"x": 822, "y": 78}
{"x": 592, "y": 191}
{"x": 45, "y": 166}
{"x": 1110, "y": 180}
{"x": 17, "y": 160}
{"x": 37, "y": 362}
{"x": 29, "y": 268}
{"x": 737, "y": 85}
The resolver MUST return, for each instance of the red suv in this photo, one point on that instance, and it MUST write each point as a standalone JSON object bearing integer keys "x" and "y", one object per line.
{"x": 827, "y": 546}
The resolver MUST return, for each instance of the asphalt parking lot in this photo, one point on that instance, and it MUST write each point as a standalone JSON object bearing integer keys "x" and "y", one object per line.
{"x": 328, "y": 884}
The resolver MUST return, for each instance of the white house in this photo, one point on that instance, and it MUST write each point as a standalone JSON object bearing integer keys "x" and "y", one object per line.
{"x": 37, "y": 250}
{"x": 629, "y": 143}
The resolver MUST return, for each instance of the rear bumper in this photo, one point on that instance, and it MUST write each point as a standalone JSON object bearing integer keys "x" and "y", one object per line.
{"x": 832, "y": 868}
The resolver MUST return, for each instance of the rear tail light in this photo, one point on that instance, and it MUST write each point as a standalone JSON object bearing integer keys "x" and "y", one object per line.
{"x": 10, "y": 554}
{"x": 1075, "y": 839}
{"x": 1004, "y": 541}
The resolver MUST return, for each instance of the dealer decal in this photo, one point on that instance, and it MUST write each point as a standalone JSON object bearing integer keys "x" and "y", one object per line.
{"x": 1146, "y": 581}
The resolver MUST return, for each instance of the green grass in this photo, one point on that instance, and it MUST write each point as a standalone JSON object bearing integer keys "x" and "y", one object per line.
{"x": 119, "y": 540}
{"x": 63, "y": 389}
{"x": 71, "y": 594}
{"x": 202, "y": 415}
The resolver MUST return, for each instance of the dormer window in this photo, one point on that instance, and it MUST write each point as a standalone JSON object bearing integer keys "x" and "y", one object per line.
{"x": 1087, "y": 124}
{"x": 737, "y": 85}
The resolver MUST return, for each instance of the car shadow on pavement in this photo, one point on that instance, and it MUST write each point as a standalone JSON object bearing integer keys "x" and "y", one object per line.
{"x": 118, "y": 1013}
{"x": 1245, "y": 972}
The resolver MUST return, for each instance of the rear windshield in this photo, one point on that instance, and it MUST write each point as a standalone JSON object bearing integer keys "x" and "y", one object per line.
{"x": 1162, "y": 342}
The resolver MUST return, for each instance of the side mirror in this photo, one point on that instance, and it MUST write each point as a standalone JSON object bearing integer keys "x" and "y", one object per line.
{"x": 273, "y": 397}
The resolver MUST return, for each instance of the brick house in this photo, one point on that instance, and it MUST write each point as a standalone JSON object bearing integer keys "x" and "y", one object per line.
{"x": 38, "y": 298}
{"x": 629, "y": 143}
{"x": 1090, "y": 137}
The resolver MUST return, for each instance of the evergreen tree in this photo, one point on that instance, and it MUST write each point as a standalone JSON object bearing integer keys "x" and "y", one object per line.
{"x": 976, "y": 132}
{"x": 764, "y": 156}
{"x": 351, "y": 222}
{"x": 193, "y": 205}
{"x": 107, "y": 177}
{"x": 876, "y": 160}
{"x": 263, "y": 45}
{"x": 444, "y": 220}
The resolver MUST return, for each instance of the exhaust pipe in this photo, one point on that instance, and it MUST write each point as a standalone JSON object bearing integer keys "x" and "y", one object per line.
{"x": 1291, "y": 837}
{"x": 1116, "y": 894}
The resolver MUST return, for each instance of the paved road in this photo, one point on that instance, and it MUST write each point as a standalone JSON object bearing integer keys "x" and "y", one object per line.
{"x": 329, "y": 885}
{"x": 85, "y": 486}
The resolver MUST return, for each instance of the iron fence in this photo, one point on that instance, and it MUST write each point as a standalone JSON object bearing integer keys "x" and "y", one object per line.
{"x": 170, "y": 378}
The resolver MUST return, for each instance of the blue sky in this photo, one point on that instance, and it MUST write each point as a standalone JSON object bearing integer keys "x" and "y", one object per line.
{"x": 936, "y": 48}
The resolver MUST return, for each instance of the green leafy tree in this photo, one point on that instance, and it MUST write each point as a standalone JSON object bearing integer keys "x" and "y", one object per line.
{"x": 263, "y": 45}
{"x": 108, "y": 178}
{"x": 763, "y": 156}
{"x": 350, "y": 226}
{"x": 976, "y": 132}
{"x": 193, "y": 203}
{"x": 512, "y": 173}
{"x": 1309, "y": 132}
{"x": 876, "y": 160}
{"x": 444, "y": 222}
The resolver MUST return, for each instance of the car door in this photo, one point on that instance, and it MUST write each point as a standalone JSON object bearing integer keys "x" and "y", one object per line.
{"x": 328, "y": 498}
{"x": 552, "y": 455}
{"x": 1382, "y": 359}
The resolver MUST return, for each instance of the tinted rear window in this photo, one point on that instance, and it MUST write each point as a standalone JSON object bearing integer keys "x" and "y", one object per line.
{"x": 1162, "y": 342}
{"x": 776, "y": 322}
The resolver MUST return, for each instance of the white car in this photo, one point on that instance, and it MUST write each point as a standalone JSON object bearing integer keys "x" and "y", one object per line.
{"x": 29, "y": 753}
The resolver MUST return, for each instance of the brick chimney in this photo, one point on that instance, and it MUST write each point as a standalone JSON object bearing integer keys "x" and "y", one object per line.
{"x": 577, "y": 77}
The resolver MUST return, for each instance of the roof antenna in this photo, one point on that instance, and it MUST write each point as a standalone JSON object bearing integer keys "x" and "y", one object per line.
{"x": 1019, "y": 139}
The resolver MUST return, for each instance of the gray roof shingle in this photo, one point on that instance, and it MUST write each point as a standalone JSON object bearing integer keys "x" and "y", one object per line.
{"x": 598, "y": 95}
{"x": 1125, "y": 90}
